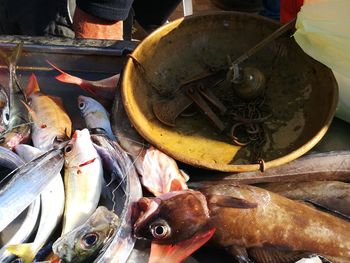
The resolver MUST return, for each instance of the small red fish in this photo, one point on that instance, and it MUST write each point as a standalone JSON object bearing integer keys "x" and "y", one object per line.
{"x": 104, "y": 89}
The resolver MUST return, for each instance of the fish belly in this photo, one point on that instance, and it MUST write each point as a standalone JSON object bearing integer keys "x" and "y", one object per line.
{"x": 83, "y": 189}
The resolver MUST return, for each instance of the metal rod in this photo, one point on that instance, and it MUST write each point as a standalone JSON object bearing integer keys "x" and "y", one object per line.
{"x": 283, "y": 29}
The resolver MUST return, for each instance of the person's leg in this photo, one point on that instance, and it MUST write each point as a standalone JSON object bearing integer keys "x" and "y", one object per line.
{"x": 35, "y": 18}
{"x": 153, "y": 13}
{"x": 271, "y": 9}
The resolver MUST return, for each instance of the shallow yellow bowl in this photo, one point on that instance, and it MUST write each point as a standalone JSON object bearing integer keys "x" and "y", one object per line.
{"x": 302, "y": 93}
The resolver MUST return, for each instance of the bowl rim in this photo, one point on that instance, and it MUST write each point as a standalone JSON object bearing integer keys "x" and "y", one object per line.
{"x": 226, "y": 167}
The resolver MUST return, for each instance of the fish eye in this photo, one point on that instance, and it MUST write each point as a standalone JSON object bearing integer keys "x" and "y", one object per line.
{"x": 6, "y": 116}
{"x": 81, "y": 105}
{"x": 68, "y": 149}
{"x": 160, "y": 230}
{"x": 89, "y": 240}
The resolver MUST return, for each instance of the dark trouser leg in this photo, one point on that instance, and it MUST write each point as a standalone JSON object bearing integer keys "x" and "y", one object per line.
{"x": 271, "y": 9}
{"x": 34, "y": 18}
{"x": 153, "y": 13}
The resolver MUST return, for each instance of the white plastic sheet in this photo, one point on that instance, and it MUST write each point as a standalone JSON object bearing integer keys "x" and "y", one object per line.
{"x": 323, "y": 32}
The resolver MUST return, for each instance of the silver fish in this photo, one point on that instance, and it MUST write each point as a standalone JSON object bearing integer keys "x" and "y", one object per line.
{"x": 17, "y": 121}
{"x": 83, "y": 178}
{"x": 122, "y": 243}
{"x": 12, "y": 161}
{"x": 87, "y": 240}
{"x": 95, "y": 115}
{"x": 50, "y": 215}
{"x": 24, "y": 232}
{"x": 27, "y": 183}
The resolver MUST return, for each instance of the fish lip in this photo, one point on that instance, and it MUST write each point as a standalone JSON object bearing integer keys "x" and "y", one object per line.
{"x": 148, "y": 208}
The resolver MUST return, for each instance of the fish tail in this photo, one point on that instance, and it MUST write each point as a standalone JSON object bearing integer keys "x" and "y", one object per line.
{"x": 67, "y": 78}
{"x": 16, "y": 53}
{"x": 13, "y": 58}
{"x": 25, "y": 251}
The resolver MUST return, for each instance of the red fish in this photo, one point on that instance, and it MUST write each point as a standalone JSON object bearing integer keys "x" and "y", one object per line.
{"x": 104, "y": 89}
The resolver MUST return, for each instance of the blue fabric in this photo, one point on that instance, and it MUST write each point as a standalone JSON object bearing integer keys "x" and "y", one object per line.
{"x": 271, "y": 9}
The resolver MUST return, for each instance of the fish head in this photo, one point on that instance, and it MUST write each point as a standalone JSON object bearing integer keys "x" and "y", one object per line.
{"x": 84, "y": 104}
{"x": 87, "y": 240}
{"x": 89, "y": 105}
{"x": 79, "y": 149}
{"x": 172, "y": 217}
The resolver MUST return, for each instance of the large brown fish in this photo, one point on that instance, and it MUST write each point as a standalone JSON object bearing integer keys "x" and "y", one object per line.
{"x": 245, "y": 217}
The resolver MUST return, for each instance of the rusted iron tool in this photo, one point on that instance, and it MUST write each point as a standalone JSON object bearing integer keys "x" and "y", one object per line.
{"x": 196, "y": 91}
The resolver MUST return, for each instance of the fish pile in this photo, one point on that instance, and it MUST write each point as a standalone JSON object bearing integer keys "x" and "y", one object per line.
{"x": 78, "y": 197}
{"x": 69, "y": 189}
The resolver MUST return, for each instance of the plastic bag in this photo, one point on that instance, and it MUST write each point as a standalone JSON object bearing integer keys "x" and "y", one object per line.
{"x": 323, "y": 32}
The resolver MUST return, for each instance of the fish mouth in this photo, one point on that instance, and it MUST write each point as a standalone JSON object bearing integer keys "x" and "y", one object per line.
{"x": 60, "y": 140}
{"x": 148, "y": 208}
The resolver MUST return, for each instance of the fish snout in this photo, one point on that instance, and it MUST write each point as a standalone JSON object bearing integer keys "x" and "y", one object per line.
{"x": 63, "y": 251}
{"x": 147, "y": 209}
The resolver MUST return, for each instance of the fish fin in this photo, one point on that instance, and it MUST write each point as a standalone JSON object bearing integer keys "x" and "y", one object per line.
{"x": 32, "y": 86}
{"x": 327, "y": 209}
{"x": 67, "y": 78}
{"x": 13, "y": 58}
{"x": 160, "y": 173}
{"x": 230, "y": 201}
{"x": 175, "y": 253}
{"x": 275, "y": 255}
{"x": 240, "y": 254}
{"x": 16, "y": 53}
{"x": 32, "y": 113}
{"x": 25, "y": 251}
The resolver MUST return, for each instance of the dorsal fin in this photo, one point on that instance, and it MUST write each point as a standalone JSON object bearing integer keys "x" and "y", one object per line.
{"x": 32, "y": 86}
{"x": 328, "y": 209}
{"x": 230, "y": 201}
